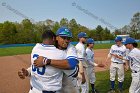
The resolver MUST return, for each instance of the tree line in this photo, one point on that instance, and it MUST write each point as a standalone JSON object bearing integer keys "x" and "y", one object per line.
{"x": 28, "y": 32}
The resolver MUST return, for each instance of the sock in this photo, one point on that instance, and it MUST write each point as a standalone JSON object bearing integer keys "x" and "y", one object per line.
{"x": 120, "y": 85}
{"x": 112, "y": 84}
{"x": 92, "y": 86}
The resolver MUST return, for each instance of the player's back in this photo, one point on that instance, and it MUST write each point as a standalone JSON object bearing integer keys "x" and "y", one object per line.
{"x": 81, "y": 53}
{"x": 47, "y": 77}
{"x": 134, "y": 58}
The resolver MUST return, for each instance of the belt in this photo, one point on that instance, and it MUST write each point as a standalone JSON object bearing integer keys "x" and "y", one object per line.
{"x": 118, "y": 63}
{"x": 44, "y": 91}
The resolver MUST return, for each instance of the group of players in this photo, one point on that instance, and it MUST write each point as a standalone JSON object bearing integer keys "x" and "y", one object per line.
{"x": 122, "y": 57}
{"x": 59, "y": 67}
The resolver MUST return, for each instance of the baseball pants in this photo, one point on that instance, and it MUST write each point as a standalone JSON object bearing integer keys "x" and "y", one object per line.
{"x": 119, "y": 68}
{"x": 135, "y": 84}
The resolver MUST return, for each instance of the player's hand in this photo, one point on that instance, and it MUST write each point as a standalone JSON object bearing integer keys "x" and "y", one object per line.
{"x": 101, "y": 65}
{"x": 83, "y": 78}
{"x": 39, "y": 62}
{"x": 23, "y": 73}
{"x": 115, "y": 55}
{"x": 126, "y": 67}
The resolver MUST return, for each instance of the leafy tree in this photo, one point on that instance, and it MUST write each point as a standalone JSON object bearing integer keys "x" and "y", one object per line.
{"x": 26, "y": 34}
{"x": 8, "y": 32}
{"x": 64, "y": 22}
{"x": 55, "y": 27}
{"x": 135, "y": 25}
{"x": 99, "y": 32}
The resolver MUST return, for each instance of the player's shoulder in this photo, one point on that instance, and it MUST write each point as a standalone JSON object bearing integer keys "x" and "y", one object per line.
{"x": 113, "y": 46}
{"x": 136, "y": 50}
{"x": 79, "y": 46}
{"x": 40, "y": 46}
{"x": 36, "y": 46}
{"x": 88, "y": 50}
{"x": 71, "y": 48}
{"x": 123, "y": 46}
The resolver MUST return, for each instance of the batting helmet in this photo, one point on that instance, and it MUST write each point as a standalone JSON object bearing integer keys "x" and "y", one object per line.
{"x": 82, "y": 34}
{"x": 64, "y": 31}
{"x": 129, "y": 41}
{"x": 90, "y": 41}
{"x": 118, "y": 39}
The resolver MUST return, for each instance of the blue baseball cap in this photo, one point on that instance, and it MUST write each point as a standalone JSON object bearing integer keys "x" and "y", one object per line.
{"x": 129, "y": 41}
{"x": 90, "y": 41}
{"x": 118, "y": 39}
{"x": 64, "y": 31}
{"x": 82, "y": 34}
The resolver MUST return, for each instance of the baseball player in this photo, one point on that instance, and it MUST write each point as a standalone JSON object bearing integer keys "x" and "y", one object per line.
{"x": 48, "y": 79}
{"x": 90, "y": 62}
{"x": 117, "y": 65}
{"x": 133, "y": 59}
{"x": 81, "y": 53}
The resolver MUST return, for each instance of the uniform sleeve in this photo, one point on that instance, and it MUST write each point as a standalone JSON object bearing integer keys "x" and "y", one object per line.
{"x": 72, "y": 73}
{"x": 29, "y": 71}
{"x": 72, "y": 57}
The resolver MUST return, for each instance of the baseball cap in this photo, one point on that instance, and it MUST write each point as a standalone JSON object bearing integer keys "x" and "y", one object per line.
{"x": 64, "y": 31}
{"x": 129, "y": 41}
{"x": 90, "y": 41}
{"x": 82, "y": 34}
{"x": 118, "y": 39}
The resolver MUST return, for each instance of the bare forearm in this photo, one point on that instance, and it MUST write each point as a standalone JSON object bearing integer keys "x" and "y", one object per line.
{"x": 62, "y": 64}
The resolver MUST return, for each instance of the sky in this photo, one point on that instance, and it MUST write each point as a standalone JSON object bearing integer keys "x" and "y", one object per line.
{"x": 89, "y": 13}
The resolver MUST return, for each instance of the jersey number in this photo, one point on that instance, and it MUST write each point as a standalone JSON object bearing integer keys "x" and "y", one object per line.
{"x": 40, "y": 70}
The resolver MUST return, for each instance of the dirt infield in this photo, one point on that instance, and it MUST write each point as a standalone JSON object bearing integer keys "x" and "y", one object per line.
{"x": 9, "y": 65}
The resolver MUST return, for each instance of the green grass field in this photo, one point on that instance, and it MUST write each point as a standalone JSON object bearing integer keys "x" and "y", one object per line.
{"x": 102, "y": 46}
{"x": 27, "y": 50}
{"x": 15, "y": 51}
{"x": 102, "y": 83}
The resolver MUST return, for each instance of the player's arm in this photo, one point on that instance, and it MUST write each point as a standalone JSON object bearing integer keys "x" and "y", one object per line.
{"x": 73, "y": 72}
{"x": 69, "y": 63}
{"x": 108, "y": 57}
{"x": 61, "y": 64}
{"x": 126, "y": 65}
{"x": 93, "y": 63}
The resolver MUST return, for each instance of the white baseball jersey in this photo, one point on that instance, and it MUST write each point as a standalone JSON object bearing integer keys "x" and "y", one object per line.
{"x": 90, "y": 57}
{"x": 117, "y": 64}
{"x": 71, "y": 54}
{"x": 134, "y": 59}
{"x": 91, "y": 64}
{"x": 47, "y": 77}
{"x": 119, "y": 50}
{"x": 81, "y": 53}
